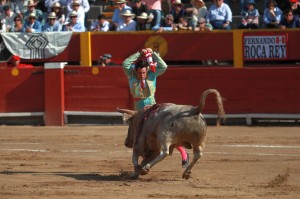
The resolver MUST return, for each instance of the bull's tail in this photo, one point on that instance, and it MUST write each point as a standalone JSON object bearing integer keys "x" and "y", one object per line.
{"x": 221, "y": 112}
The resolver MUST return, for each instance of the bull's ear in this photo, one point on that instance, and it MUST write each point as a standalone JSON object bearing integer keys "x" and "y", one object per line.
{"x": 127, "y": 111}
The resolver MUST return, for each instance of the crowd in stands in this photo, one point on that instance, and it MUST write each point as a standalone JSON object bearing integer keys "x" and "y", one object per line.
{"x": 138, "y": 15}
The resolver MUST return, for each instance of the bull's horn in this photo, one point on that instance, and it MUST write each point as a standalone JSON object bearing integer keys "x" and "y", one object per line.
{"x": 129, "y": 112}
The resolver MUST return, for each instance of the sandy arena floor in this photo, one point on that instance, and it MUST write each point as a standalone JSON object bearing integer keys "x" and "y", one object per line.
{"x": 92, "y": 162}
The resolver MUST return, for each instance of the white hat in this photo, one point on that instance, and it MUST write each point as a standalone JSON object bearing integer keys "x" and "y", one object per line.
{"x": 56, "y": 5}
{"x": 32, "y": 15}
{"x": 178, "y": 2}
{"x": 52, "y": 15}
{"x": 143, "y": 16}
{"x": 73, "y": 14}
{"x": 31, "y": 3}
{"x": 121, "y": 1}
{"x": 128, "y": 13}
{"x": 75, "y": 2}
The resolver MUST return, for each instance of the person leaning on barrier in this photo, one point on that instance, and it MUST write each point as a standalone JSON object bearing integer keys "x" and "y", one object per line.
{"x": 142, "y": 22}
{"x": 288, "y": 20}
{"x": 166, "y": 25}
{"x": 15, "y": 61}
{"x": 272, "y": 15}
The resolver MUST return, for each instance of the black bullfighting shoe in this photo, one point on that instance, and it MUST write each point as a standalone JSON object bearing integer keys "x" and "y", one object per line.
{"x": 185, "y": 163}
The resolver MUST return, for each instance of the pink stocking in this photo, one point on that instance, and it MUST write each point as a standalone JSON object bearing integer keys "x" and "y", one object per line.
{"x": 182, "y": 152}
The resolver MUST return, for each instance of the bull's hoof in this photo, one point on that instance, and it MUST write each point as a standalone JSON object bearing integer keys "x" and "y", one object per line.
{"x": 186, "y": 175}
{"x": 144, "y": 171}
{"x": 134, "y": 176}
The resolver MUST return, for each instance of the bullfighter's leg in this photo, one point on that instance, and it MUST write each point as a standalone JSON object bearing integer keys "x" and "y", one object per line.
{"x": 197, "y": 154}
{"x": 184, "y": 156}
{"x": 164, "y": 153}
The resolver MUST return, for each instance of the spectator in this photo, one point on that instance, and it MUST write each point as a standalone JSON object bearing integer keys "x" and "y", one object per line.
{"x": 138, "y": 8}
{"x": 142, "y": 21}
{"x": 82, "y": 3}
{"x": 15, "y": 61}
{"x": 100, "y": 25}
{"x": 79, "y": 10}
{"x": 117, "y": 16}
{"x": 199, "y": 10}
{"x": 288, "y": 20}
{"x": 128, "y": 24}
{"x": 52, "y": 24}
{"x": 272, "y": 15}
{"x": 250, "y": 16}
{"x": 167, "y": 24}
{"x": 154, "y": 7}
{"x": 184, "y": 24}
{"x": 7, "y": 17}
{"x": 18, "y": 25}
{"x": 38, "y": 13}
{"x": 295, "y": 6}
{"x": 59, "y": 12}
{"x": 219, "y": 15}
{"x": 49, "y": 4}
{"x": 32, "y": 25}
{"x": 4, "y": 3}
{"x": 177, "y": 11}
{"x": 73, "y": 25}
{"x": 142, "y": 74}
{"x": 203, "y": 26}
{"x": 105, "y": 60}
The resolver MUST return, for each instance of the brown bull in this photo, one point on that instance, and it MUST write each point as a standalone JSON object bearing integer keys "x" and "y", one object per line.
{"x": 155, "y": 132}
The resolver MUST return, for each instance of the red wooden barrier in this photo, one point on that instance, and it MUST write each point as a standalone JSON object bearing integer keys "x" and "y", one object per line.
{"x": 93, "y": 89}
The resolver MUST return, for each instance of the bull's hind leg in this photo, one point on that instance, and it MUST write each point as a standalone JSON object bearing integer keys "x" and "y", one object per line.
{"x": 197, "y": 150}
{"x": 164, "y": 153}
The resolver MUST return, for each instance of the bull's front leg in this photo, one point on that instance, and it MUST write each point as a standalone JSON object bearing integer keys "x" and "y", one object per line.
{"x": 137, "y": 168}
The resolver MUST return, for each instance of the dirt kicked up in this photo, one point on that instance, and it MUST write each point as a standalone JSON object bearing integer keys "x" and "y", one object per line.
{"x": 92, "y": 162}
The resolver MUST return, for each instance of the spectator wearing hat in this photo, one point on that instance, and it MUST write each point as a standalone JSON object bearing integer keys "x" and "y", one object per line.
{"x": 32, "y": 25}
{"x": 7, "y": 17}
{"x": 52, "y": 24}
{"x": 129, "y": 24}
{"x": 288, "y": 20}
{"x": 82, "y": 3}
{"x": 250, "y": 16}
{"x": 117, "y": 17}
{"x": 18, "y": 25}
{"x": 79, "y": 10}
{"x": 219, "y": 15}
{"x": 101, "y": 25}
{"x": 272, "y": 15}
{"x": 49, "y": 4}
{"x": 39, "y": 15}
{"x": 105, "y": 60}
{"x": 154, "y": 7}
{"x": 15, "y": 61}
{"x": 177, "y": 11}
{"x": 142, "y": 21}
{"x": 73, "y": 25}
{"x": 60, "y": 15}
{"x": 138, "y": 8}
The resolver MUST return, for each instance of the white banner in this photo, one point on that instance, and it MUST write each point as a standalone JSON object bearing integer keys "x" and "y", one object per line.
{"x": 265, "y": 47}
{"x": 36, "y": 45}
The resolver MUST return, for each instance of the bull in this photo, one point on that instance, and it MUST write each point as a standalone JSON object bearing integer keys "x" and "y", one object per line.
{"x": 153, "y": 133}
